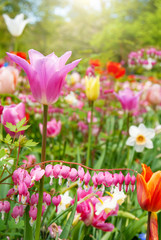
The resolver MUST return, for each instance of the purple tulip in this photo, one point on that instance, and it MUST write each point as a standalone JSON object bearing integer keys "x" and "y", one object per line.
{"x": 13, "y": 114}
{"x": 46, "y": 74}
{"x": 128, "y": 99}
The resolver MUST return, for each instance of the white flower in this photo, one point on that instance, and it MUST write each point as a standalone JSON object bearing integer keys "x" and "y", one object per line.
{"x": 65, "y": 202}
{"x": 71, "y": 99}
{"x": 16, "y": 26}
{"x": 119, "y": 196}
{"x": 140, "y": 137}
{"x": 108, "y": 205}
{"x": 149, "y": 66}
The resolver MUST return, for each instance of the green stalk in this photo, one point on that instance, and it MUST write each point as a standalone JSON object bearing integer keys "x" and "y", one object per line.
{"x": 16, "y": 44}
{"x": 128, "y": 122}
{"x": 148, "y": 227}
{"x": 41, "y": 186}
{"x": 28, "y": 229}
{"x": 89, "y": 135}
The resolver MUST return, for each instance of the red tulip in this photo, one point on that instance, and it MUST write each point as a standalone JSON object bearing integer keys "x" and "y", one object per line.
{"x": 115, "y": 69}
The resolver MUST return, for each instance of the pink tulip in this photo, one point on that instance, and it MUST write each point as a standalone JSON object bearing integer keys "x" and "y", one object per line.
{"x": 53, "y": 128}
{"x": 8, "y": 79}
{"x": 154, "y": 94}
{"x": 46, "y": 74}
{"x": 13, "y": 114}
{"x": 128, "y": 99}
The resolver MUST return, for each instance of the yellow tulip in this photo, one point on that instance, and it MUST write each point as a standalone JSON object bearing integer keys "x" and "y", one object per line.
{"x": 92, "y": 90}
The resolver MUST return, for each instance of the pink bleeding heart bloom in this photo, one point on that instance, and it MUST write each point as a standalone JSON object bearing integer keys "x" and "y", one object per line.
{"x": 17, "y": 212}
{"x": 46, "y": 198}
{"x": 13, "y": 114}
{"x": 4, "y": 208}
{"x": 87, "y": 177}
{"x": 34, "y": 199}
{"x": 53, "y": 128}
{"x": 46, "y": 74}
{"x": 73, "y": 174}
{"x": 127, "y": 181}
{"x": 128, "y": 99}
{"x": 37, "y": 173}
{"x": 56, "y": 200}
{"x": 121, "y": 180}
{"x": 31, "y": 160}
{"x": 33, "y": 213}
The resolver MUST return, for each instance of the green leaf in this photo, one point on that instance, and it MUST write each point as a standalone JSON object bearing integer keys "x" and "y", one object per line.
{"x": 2, "y": 153}
{"x": 8, "y": 139}
{"x": 30, "y": 143}
{"x": 135, "y": 227}
{"x": 78, "y": 155}
{"x": 21, "y": 123}
{"x": 99, "y": 162}
{"x": 1, "y": 137}
{"x": 23, "y": 128}
{"x": 67, "y": 227}
{"x": 11, "y": 127}
{"x": 126, "y": 215}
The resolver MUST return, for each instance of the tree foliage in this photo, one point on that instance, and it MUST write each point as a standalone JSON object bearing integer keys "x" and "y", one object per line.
{"x": 108, "y": 33}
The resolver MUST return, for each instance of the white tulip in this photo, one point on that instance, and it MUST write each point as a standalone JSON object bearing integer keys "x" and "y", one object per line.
{"x": 16, "y": 26}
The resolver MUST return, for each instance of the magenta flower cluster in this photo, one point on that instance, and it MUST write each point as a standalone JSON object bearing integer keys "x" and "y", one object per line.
{"x": 24, "y": 180}
{"x": 144, "y": 57}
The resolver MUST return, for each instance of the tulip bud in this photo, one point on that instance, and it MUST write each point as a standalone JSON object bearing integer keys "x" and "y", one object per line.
{"x": 92, "y": 86}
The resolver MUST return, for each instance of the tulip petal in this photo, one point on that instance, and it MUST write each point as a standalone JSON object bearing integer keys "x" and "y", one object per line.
{"x": 143, "y": 195}
{"x": 70, "y": 66}
{"x": 63, "y": 59}
{"x": 106, "y": 227}
{"x": 34, "y": 56}
{"x": 154, "y": 188}
{"x": 147, "y": 172}
{"x": 153, "y": 227}
{"x": 23, "y": 63}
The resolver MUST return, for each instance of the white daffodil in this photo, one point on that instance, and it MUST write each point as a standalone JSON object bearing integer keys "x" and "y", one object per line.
{"x": 71, "y": 99}
{"x": 65, "y": 202}
{"x": 108, "y": 205}
{"x": 140, "y": 137}
{"x": 16, "y": 26}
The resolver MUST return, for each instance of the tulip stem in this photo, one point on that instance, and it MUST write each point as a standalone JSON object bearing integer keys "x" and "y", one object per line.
{"x": 128, "y": 122}
{"x": 41, "y": 186}
{"x": 148, "y": 227}
{"x": 89, "y": 134}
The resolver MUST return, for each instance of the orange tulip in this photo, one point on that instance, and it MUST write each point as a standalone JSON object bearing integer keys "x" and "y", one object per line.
{"x": 149, "y": 189}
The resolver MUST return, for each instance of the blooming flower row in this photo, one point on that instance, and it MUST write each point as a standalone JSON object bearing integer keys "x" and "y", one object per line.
{"x": 23, "y": 181}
